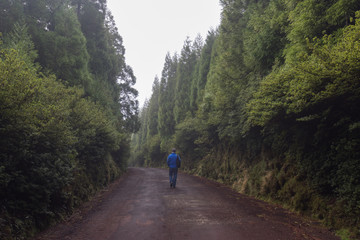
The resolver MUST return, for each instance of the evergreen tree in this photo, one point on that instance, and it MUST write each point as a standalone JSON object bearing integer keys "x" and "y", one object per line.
{"x": 63, "y": 49}
{"x": 197, "y": 48}
{"x": 184, "y": 77}
{"x": 11, "y": 12}
{"x": 92, "y": 21}
{"x": 341, "y": 12}
{"x": 265, "y": 36}
{"x": 166, "y": 122}
{"x": 114, "y": 79}
{"x": 226, "y": 88}
{"x": 20, "y": 40}
{"x": 153, "y": 109}
{"x": 204, "y": 65}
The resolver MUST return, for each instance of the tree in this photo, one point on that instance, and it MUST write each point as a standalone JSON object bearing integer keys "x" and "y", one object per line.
{"x": 61, "y": 139}
{"x": 114, "y": 79}
{"x": 226, "y": 89}
{"x": 341, "y": 12}
{"x": 20, "y": 40}
{"x": 184, "y": 77}
{"x": 153, "y": 109}
{"x": 265, "y": 35}
{"x": 63, "y": 50}
{"x": 204, "y": 66}
{"x": 197, "y": 48}
{"x": 12, "y": 12}
{"x": 166, "y": 120}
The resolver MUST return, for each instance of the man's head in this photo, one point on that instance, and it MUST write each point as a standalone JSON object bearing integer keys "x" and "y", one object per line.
{"x": 173, "y": 150}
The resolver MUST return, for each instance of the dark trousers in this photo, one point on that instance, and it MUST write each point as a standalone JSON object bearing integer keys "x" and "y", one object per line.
{"x": 173, "y": 175}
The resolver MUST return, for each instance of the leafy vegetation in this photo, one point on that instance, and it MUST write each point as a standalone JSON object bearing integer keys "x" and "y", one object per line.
{"x": 65, "y": 121}
{"x": 268, "y": 103}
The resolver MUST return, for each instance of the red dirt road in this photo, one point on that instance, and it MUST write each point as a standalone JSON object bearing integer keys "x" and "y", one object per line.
{"x": 141, "y": 205}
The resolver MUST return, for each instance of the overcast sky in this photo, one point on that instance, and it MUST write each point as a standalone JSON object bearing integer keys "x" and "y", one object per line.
{"x": 151, "y": 28}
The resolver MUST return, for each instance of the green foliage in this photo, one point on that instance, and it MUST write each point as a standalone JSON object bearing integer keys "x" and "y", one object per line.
{"x": 330, "y": 72}
{"x": 204, "y": 66}
{"x": 185, "y": 71}
{"x": 265, "y": 35}
{"x": 166, "y": 122}
{"x": 61, "y": 139}
{"x": 63, "y": 50}
{"x": 19, "y": 39}
{"x": 48, "y": 132}
{"x": 341, "y": 12}
{"x": 153, "y": 109}
{"x": 185, "y": 137}
{"x": 344, "y": 234}
{"x": 36, "y": 140}
{"x": 12, "y": 12}
{"x": 155, "y": 157}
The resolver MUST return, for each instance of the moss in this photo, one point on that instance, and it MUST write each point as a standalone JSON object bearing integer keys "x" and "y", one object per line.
{"x": 319, "y": 207}
{"x": 345, "y": 234}
{"x": 266, "y": 188}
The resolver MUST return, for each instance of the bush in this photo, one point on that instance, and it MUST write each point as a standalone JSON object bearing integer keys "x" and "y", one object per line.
{"x": 55, "y": 147}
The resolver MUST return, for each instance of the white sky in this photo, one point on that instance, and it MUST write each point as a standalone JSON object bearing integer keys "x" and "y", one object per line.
{"x": 151, "y": 28}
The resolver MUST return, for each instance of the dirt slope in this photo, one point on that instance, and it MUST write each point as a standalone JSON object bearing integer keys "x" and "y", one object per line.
{"x": 141, "y": 205}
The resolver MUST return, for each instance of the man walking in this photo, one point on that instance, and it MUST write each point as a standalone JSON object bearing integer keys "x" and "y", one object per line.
{"x": 174, "y": 162}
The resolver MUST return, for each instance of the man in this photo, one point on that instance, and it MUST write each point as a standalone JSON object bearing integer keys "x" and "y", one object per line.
{"x": 173, "y": 161}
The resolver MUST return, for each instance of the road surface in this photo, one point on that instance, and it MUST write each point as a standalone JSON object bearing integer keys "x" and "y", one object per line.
{"x": 141, "y": 205}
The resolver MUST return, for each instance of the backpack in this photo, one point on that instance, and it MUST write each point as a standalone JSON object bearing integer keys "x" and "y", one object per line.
{"x": 178, "y": 162}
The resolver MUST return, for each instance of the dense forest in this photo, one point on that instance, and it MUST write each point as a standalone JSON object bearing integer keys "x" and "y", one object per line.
{"x": 68, "y": 109}
{"x": 268, "y": 103}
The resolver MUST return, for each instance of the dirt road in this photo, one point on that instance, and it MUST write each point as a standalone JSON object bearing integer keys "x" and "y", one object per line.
{"x": 141, "y": 205}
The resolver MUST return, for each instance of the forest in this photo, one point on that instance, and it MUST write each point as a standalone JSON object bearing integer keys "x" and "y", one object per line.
{"x": 269, "y": 104}
{"x": 68, "y": 109}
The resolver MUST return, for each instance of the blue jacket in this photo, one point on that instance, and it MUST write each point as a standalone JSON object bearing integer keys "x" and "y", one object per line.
{"x": 171, "y": 160}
